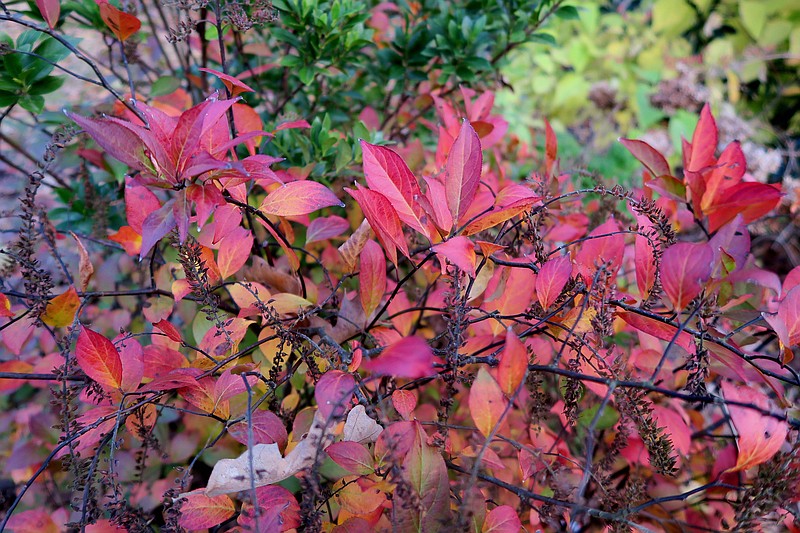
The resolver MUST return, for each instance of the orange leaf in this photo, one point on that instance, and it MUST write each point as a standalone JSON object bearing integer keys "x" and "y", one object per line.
{"x": 486, "y": 402}
{"x": 372, "y": 276}
{"x": 513, "y": 364}
{"x": 129, "y": 239}
{"x": 234, "y": 250}
{"x": 121, "y": 24}
{"x": 99, "y": 359}
{"x": 60, "y": 311}
{"x": 200, "y": 511}
{"x": 550, "y": 148}
{"x": 5, "y": 306}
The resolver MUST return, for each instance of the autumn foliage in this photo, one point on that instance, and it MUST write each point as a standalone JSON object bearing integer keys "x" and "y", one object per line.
{"x": 442, "y": 340}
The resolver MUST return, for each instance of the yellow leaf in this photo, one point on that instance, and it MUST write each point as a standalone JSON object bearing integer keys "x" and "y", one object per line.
{"x": 61, "y": 310}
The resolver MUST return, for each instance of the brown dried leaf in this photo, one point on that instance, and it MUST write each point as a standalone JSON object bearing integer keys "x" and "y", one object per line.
{"x": 85, "y": 268}
{"x": 351, "y": 248}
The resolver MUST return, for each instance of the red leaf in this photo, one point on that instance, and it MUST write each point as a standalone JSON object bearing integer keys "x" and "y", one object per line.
{"x": 121, "y": 24}
{"x": 595, "y": 251}
{"x": 352, "y": 456}
{"x": 410, "y": 357}
{"x": 404, "y": 402}
{"x": 234, "y": 250}
{"x": 155, "y": 226}
{"x": 704, "y": 142}
{"x": 727, "y": 172}
{"x": 654, "y": 162}
{"x": 169, "y": 330}
{"x": 333, "y": 393}
{"x": 685, "y": 268}
{"x": 234, "y": 85}
{"x": 510, "y": 202}
{"x": 385, "y": 171}
{"x": 267, "y": 429}
{"x": 460, "y": 251}
{"x": 550, "y": 148}
{"x": 486, "y": 402}
{"x": 206, "y": 199}
{"x": 99, "y": 359}
{"x": 437, "y": 204}
{"x": 229, "y": 384}
{"x": 293, "y": 125}
{"x": 324, "y": 228}
{"x": 463, "y": 171}
{"x": 760, "y": 436}
{"x": 372, "y": 276}
{"x": 298, "y": 198}
{"x": 513, "y": 365}
{"x": 181, "y": 212}
{"x": 659, "y": 330}
{"x": 139, "y": 202}
{"x": 382, "y": 219}
{"x": 750, "y": 199}
{"x": 278, "y": 511}
{"x": 502, "y": 519}
{"x": 199, "y": 511}
{"x": 50, "y": 10}
{"x": 552, "y": 278}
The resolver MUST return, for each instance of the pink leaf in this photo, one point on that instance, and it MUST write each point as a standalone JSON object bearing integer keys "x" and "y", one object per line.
{"x": 607, "y": 248}
{"x": 502, "y": 519}
{"x": 324, "y": 228}
{"x": 234, "y": 250}
{"x": 410, "y": 357}
{"x": 293, "y": 125}
{"x": 552, "y": 278}
{"x": 139, "y": 202}
{"x": 267, "y": 429}
{"x": 333, "y": 393}
{"x": 463, "y": 171}
{"x": 229, "y": 384}
{"x": 278, "y": 511}
{"x": 385, "y": 171}
{"x": 352, "y": 456}
{"x": 199, "y": 511}
{"x": 404, "y": 402}
{"x": 383, "y": 220}
{"x": 460, "y": 251}
{"x": 155, "y": 226}
{"x": 685, "y": 268}
{"x": 786, "y": 322}
{"x": 760, "y": 436}
{"x": 372, "y": 276}
{"x": 50, "y": 10}
{"x": 298, "y": 198}
{"x": 131, "y": 355}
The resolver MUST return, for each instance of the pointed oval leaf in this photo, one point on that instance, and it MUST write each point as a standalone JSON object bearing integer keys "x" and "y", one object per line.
{"x": 383, "y": 220}
{"x": 654, "y": 162}
{"x": 372, "y": 276}
{"x": 513, "y": 365}
{"x": 50, "y": 10}
{"x": 552, "y": 278}
{"x": 121, "y": 24}
{"x": 298, "y": 198}
{"x": 200, "y": 511}
{"x": 234, "y": 250}
{"x": 685, "y": 268}
{"x": 60, "y": 311}
{"x": 760, "y": 436}
{"x": 486, "y": 402}
{"x": 267, "y": 429}
{"x": 352, "y": 456}
{"x": 385, "y": 171}
{"x": 323, "y": 228}
{"x": 97, "y": 357}
{"x": 333, "y": 393}
{"x": 410, "y": 357}
{"x": 502, "y": 519}
{"x": 460, "y": 251}
{"x": 463, "y": 171}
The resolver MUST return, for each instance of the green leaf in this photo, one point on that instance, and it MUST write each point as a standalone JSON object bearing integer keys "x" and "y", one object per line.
{"x": 34, "y": 104}
{"x": 165, "y": 85}
{"x": 753, "y": 16}
{"x": 46, "y": 85}
{"x": 567, "y": 13}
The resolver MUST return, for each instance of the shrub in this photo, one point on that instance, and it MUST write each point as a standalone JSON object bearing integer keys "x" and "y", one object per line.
{"x": 332, "y": 295}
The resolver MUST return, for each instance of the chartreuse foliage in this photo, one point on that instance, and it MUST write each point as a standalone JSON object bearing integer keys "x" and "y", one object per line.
{"x": 337, "y": 303}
